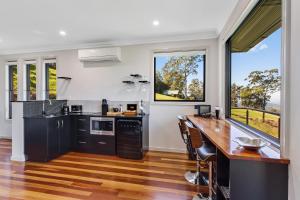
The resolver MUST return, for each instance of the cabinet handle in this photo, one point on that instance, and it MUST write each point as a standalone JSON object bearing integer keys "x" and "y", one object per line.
{"x": 101, "y": 142}
{"x": 82, "y": 130}
{"x": 81, "y": 119}
{"x": 58, "y": 124}
{"x": 62, "y": 123}
{"x": 80, "y": 142}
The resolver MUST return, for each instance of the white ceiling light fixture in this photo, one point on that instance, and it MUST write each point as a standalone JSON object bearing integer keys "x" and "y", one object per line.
{"x": 62, "y": 33}
{"x": 155, "y": 23}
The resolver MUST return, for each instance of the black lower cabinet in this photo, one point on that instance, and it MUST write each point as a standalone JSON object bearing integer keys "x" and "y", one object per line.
{"x": 103, "y": 144}
{"x": 46, "y": 138}
{"x": 132, "y": 142}
{"x": 85, "y": 142}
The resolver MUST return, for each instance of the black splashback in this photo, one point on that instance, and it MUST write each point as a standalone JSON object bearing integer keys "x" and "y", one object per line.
{"x": 34, "y": 108}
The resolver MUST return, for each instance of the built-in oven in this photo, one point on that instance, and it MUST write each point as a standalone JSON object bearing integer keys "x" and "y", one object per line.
{"x": 102, "y": 126}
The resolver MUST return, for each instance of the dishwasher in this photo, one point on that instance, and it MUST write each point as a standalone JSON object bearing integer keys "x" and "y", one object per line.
{"x": 129, "y": 138}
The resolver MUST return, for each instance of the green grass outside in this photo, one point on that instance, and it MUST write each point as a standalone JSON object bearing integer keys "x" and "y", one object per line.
{"x": 269, "y": 125}
{"x": 165, "y": 97}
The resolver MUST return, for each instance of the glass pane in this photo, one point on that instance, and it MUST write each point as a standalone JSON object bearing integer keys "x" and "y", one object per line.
{"x": 14, "y": 84}
{"x": 32, "y": 81}
{"x": 255, "y": 85}
{"x": 51, "y": 80}
{"x": 179, "y": 77}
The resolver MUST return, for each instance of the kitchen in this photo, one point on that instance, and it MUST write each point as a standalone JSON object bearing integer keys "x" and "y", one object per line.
{"x": 90, "y": 103}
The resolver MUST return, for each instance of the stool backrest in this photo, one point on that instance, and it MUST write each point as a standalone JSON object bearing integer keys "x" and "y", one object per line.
{"x": 195, "y": 135}
{"x": 182, "y": 127}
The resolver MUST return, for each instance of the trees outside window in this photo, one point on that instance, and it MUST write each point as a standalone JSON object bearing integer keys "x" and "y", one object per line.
{"x": 179, "y": 76}
{"x": 253, "y": 71}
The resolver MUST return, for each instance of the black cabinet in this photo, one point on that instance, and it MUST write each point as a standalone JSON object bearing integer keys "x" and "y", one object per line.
{"x": 132, "y": 137}
{"x": 85, "y": 142}
{"x": 46, "y": 138}
{"x": 103, "y": 144}
{"x": 64, "y": 134}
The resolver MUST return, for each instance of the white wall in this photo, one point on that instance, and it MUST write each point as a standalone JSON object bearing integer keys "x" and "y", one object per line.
{"x": 97, "y": 81}
{"x": 294, "y": 96}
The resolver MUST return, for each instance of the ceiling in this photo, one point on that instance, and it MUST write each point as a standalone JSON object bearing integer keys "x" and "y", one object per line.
{"x": 34, "y": 25}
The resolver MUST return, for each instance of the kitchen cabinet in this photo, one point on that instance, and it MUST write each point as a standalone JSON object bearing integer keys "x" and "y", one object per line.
{"x": 85, "y": 142}
{"x": 46, "y": 138}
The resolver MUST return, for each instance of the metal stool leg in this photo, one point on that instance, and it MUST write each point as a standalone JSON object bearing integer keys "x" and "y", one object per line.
{"x": 201, "y": 196}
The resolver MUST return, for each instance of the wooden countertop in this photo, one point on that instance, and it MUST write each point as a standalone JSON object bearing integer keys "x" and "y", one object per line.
{"x": 221, "y": 133}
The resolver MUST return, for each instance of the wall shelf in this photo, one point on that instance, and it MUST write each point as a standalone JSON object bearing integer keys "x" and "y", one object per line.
{"x": 64, "y": 78}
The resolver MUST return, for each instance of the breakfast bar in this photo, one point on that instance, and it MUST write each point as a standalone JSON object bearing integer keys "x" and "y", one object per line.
{"x": 241, "y": 174}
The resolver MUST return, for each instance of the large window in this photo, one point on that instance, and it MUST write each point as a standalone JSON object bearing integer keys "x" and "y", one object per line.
{"x": 50, "y": 77}
{"x": 179, "y": 76}
{"x": 30, "y": 81}
{"x": 253, "y": 71}
{"x": 12, "y": 86}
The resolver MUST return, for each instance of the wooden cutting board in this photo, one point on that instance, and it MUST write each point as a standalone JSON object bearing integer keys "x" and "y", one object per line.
{"x": 114, "y": 113}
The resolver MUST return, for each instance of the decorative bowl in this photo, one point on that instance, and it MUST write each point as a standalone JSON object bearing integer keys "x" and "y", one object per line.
{"x": 251, "y": 143}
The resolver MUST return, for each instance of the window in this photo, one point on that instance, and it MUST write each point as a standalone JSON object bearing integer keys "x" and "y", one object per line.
{"x": 12, "y": 86}
{"x": 50, "y": 77}
{"x": 253, "y": 71}
{"x": 30, "y": 81}
{"x": 179, "y": 76}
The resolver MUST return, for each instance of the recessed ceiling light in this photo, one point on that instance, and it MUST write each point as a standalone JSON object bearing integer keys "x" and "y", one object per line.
{"x": 62, "y": 33}
{"x": 155, "y": 23}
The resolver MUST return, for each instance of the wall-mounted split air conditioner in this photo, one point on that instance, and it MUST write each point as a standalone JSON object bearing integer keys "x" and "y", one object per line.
{"x": 100, "y": 55}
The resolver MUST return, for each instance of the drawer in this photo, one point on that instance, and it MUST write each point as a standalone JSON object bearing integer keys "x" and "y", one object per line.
{"x": 103, "y": 144}
{"x": 82, "y": 143}
{"x": 83, "y": 123}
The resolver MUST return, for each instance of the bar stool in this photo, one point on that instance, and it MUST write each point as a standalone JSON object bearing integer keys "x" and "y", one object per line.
{"x": 190, "y": 176}
{"x": 185, "y": 137}
{"x": 205, "y": 153}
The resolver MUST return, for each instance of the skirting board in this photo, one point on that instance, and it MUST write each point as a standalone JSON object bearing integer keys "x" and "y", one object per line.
{"x": 5, "y": 137}
{"x": 175, "y": 150}
{"x": 18, "y": 158}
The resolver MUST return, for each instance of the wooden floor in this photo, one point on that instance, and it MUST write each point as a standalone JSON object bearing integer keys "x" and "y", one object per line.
{"x": 94, "y": 177}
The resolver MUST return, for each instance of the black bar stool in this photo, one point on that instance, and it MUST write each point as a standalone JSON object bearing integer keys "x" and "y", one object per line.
{"x": 190, "y": 176}
{"x": 205, "y": 153}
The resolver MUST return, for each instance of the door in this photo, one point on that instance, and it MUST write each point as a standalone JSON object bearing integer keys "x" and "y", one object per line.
{"x": 53, "y": 137}
{"x": 64, "y": 134}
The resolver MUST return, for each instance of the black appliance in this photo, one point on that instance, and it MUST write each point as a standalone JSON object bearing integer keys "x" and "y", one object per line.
{"x": 104, "y": 107}
{"x": 76, "y": 108}
{"x": 102, "y": 126}
{"x": 65, "y": 109}
{"x": 203, "y": 110}
{"x": 129, "y": 138}
{"x": 131, "y": 107}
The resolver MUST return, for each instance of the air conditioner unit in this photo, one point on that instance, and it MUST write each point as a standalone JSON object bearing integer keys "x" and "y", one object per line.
{"x": 100, "y": 55}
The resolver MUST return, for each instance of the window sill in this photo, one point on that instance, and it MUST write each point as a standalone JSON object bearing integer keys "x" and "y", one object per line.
{"x": 252, "y": 133}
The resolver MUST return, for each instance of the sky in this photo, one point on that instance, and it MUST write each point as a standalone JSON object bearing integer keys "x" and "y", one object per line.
{"x": 162, "y": 60}
{"x": 265, "y": 55}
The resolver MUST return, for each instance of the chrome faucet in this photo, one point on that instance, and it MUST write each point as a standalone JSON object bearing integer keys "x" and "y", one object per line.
{"x": 50, "y": 103}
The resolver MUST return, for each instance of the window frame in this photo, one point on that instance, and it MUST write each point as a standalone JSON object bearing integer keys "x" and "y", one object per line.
{"x": 46, "y": 78}
{"x": 228, "y": 71}
{"x": 26, "y": 81}
{"x": 9, "y": 88}
{"x": 180, "y": 101}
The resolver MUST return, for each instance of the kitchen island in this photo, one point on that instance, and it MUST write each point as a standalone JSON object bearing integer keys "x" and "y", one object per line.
{"x": 241, "y": 174}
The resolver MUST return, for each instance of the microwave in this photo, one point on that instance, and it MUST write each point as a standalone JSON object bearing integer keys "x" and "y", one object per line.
{"x": 76, "y": 108}
{"x": 102, "y": 126}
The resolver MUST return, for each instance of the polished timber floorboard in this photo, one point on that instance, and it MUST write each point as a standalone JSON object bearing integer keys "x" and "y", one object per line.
{"x": 83, "y": 176}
